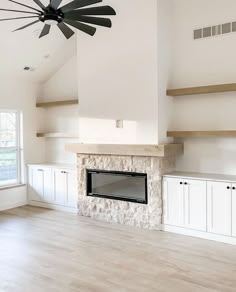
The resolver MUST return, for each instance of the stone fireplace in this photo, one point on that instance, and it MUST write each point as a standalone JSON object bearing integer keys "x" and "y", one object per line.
{"x": 151, "y": 160}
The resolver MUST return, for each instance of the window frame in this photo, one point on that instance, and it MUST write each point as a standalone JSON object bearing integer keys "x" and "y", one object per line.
{"x": 17, "y": 148}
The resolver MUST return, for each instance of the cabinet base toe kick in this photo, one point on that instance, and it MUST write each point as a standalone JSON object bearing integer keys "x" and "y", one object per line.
{"x": 199, "y": 234}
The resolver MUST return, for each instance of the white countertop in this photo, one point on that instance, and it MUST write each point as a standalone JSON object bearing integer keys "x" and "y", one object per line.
{"x": 55, "y": 165}
{"x": 202, "y": 176}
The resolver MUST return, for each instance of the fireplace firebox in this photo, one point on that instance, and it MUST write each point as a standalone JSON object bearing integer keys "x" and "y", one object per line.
{"x": 117, "y": 185}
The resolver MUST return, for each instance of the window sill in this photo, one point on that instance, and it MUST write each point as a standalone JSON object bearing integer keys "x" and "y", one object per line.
{"x": 12, "y": 187}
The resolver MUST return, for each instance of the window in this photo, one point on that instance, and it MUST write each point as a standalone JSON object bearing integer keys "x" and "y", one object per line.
{"x": 9, "y": 148}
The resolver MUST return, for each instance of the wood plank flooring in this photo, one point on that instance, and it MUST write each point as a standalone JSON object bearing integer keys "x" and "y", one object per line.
{"x": 43, "y": 250}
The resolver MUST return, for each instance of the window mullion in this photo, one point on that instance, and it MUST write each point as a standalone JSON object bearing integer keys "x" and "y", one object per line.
{"x": 10, "y": 162}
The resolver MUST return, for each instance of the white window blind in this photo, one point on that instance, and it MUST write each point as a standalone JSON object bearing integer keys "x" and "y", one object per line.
{"x": 9, "y": 148}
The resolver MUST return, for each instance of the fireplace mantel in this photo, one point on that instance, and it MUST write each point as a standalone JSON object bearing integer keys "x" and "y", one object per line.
{"x": 165, "y": 150}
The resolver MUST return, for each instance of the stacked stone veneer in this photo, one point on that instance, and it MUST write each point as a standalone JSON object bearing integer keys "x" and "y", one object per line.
{"x": 146, "y": 216}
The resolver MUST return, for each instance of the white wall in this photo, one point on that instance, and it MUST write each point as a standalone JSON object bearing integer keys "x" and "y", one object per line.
{"x": 164, "y": 54}
{"x": 104, "y": 131}
{"x": 117, "y": 71}
{"x": 13, "y": 198}
{"x": 203, "y": 62}
{"x": 19, "y": 95}
{"x": 63, "y": 85}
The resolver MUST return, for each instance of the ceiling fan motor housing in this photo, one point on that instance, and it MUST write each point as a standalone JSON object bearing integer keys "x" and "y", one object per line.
{"x": 51, "y": 16}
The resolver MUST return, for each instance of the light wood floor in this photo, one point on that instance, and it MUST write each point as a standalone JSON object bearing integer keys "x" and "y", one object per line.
{"x": 44, "y": 250}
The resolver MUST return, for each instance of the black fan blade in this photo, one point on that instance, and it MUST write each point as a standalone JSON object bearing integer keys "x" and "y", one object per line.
{"x": 39, "y": 3}
{"x": 25, "y": 5}
{"x": 45, "y": 31}
{"x": 93, "y": 20}
{"x": 65, "y": 30}
{"x": 78, "y": 4}
{"x": 18, "y": 18}
{"x": 21, "y": 11}
{"x": 22, "y": 27}
{"x": 81, "y": 26}
{"x": 55, "y": 3}
{"x": 102, "y": 10}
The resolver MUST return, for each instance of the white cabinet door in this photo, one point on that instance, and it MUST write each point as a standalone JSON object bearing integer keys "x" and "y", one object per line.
{"x": 71, "y": 194}
{"x": 173, "y": 196}
{"x": 219, "y": 202}
{"x": 195, "y": 195}
{"x": 65, "y": 187}
{"x": 36, "y": 184}
{"x": 48, "y": 194}
{"x": 60, "y": 186}
{"x": 234, "y": 210}
{"x": 40, "y": 184}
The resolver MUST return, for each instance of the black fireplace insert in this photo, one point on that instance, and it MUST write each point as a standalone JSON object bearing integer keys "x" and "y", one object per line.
{"x": 117, "y": 185}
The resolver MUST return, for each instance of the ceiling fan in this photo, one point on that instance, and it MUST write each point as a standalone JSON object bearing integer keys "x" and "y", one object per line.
{"x": 70, "y": 14}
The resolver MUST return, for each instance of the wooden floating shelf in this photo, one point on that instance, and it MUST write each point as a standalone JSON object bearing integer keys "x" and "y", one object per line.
{"x": 57, "y": 135}
{"x": 202, "y": 90}
{"x": 57, "y": 103}
{"x": 201, "y": 134}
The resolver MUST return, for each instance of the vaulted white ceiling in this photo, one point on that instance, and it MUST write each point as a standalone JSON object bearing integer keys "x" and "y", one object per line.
{"x": 24, "y": 48}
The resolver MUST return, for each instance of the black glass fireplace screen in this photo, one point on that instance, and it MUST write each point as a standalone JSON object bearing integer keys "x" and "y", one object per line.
{"x": 116, "y": 185}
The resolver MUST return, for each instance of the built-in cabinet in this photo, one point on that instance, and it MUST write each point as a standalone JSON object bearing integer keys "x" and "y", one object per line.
{"x": 52, "y": 186}
{"x": 185, "y": 203}
{"x": 200, "y": 205}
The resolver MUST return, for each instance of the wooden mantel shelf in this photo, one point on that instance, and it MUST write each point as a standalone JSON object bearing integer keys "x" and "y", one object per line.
{"x": 165, "y": 150}
{"x": 57, "y": 103}
{"x": 202, "y": 89}
{"x": 57, "y": 135}
{"x": 202, "y": 134}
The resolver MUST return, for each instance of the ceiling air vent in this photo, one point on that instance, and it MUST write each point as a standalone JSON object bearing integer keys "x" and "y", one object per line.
{"x": 215, "y": 30}
{"x": 27, "y": 68}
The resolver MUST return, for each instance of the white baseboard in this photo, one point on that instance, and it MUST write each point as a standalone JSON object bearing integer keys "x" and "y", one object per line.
{"x": 53, "y": 207}
{"x": 12, "y": 205}
{"x": 199, "y": 234}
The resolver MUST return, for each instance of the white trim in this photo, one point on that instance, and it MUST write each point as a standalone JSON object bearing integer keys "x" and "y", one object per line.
{"x": 13, "y": 205}
{"x": 8, "y": 148}
{"x": 199, "y": 234}
{"x": 53, "y": 207}
{"x": 13, "y": 186}
{"x": 18, "y": 144}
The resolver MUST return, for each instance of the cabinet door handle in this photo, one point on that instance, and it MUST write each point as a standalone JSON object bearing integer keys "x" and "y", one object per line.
{"x": 40, "y": 170}
{"x": 63, "y": 172}
{"x": 228, "y": 188}
{"x": 185, "y": 183}
{"x": 181, "y": 183}
{"x": 233, "y": 188}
